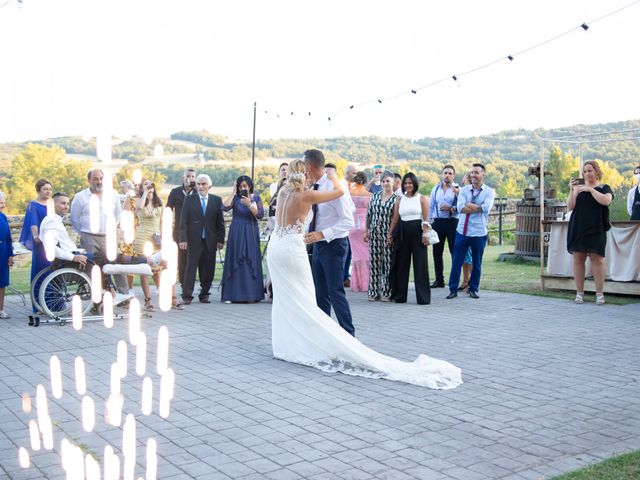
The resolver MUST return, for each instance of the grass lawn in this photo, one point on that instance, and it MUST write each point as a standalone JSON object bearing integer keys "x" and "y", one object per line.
{"x": 623, "y": 467}
{"x": 511, "y": 276}
{"x": 518, "y": 277}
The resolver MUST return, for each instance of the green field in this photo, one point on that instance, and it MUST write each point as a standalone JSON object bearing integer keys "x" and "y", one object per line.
{"x": 623, "y": 467}
{"x": 511, "y": 276}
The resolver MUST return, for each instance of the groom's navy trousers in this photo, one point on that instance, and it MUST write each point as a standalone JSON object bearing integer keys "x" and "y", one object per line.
{"x": 327, "y": 269}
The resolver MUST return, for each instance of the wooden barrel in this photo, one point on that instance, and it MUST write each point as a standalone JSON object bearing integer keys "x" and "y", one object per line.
{"x": 528, "y": 226}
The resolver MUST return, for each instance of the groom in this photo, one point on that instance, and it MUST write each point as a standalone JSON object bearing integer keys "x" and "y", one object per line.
{"x": 328, "y": 233}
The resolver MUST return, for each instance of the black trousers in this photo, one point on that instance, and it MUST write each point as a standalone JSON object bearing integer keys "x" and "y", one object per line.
{"x": 204, "y": 261}
{"x": 410, "y": 246}
{"x": 446, "y": 230}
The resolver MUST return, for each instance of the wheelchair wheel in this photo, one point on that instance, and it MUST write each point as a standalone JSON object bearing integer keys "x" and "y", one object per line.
{"x": 59, "y": 287}
{"x": 37, "y": 280}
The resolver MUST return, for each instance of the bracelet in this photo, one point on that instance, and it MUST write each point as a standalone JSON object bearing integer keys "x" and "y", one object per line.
{"x": 424, "y": 222}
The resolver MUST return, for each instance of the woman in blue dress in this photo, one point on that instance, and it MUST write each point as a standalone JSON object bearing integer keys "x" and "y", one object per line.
{"x": 6, "y": 254}
{"x": 242, "y": 275}
{"x": 30, "y": 236}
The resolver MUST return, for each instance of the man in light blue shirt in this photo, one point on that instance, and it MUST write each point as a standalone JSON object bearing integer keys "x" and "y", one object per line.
{"x": 443, "y": 218}
{"x": 474, "y": 204}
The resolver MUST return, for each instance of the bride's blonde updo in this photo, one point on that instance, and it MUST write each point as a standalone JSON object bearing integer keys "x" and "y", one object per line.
{"x": 297, "y": 175}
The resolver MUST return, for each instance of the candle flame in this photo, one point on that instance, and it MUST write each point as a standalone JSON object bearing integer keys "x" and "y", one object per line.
{"x": 92, "y": 468}
{"x": 111, "y": 237}
{"x": 111, "y": 464}
{"x": 34, "y": 435}
{"x": 107, "y": 309}
{"x": 76, "y": 312}
{"x": 23, "y": 456}
{"x": 127, "y": 226}
{"x": 166, "y": 290}
{"x": 129, "y": 446}
{"x": 94, "y": 213}
{"x": 152, "y": 459}
{"x": 114, "y": 409}
{"x": 49, "y": 242}
{"x": 96, "y": 284}
{"x": 26, "y": 403}
{"x": 88, "y": 414}
{"x": 147, "y": 394}
{"x": 147, "y": 249}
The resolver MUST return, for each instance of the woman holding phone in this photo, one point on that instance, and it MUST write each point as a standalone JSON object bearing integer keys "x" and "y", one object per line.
{"x": 242, "y": 274}
{"x": 587, "y": 236}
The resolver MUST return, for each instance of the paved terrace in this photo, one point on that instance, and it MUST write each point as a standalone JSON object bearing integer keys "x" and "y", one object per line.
{"x": 549, "y": 387}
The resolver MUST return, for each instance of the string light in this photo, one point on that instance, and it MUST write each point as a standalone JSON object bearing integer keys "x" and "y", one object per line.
{"x": 584, "y": 26}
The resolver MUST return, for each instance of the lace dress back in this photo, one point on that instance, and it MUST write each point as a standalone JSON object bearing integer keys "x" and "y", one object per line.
{"x": 295, "y": 226}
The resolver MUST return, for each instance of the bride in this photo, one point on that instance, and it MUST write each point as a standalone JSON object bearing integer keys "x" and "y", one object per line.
{"x": 301, "y": 332}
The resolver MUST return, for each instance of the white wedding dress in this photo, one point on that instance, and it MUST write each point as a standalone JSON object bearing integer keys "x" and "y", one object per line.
{"x": 302, "y": 333}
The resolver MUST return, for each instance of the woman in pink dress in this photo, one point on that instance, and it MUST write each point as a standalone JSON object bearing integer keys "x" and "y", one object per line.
{"x": 359, "y": 248}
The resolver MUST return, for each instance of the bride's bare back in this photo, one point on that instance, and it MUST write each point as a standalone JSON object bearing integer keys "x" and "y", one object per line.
{"x": 293, "y": 204}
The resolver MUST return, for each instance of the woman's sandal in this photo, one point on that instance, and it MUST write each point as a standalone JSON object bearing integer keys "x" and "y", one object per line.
{"x": 148, "y": 305}
{"x": 579, "y": 298}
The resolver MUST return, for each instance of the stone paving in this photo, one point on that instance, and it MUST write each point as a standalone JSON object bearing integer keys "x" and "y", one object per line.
{"x": 549, "y": 387}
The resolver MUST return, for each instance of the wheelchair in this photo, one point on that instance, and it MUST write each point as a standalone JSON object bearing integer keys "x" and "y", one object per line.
{"x": 54, "y": 287}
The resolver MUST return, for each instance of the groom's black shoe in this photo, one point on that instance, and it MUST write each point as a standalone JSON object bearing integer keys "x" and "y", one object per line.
{"x": 474, "y": 295}
{"x": 452, "y": 295}
{"x": 437, "y": 284}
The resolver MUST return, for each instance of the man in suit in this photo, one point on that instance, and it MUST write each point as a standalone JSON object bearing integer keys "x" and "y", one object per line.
{"x": 201, "y": 233}
{"x": 328, "y": 233}
{"x": 175, "y": 203}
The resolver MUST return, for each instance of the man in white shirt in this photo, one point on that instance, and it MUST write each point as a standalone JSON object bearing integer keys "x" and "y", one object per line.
{"x": 346, "y": 182}
{"x": 81, "y": 220}
{"x": 328, "y": 233}
{"x": 53, "y": 230}
{"x": 633, "y": 199}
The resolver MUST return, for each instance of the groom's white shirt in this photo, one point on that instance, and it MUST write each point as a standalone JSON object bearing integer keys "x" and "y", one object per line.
{"x": 335, "y": 218}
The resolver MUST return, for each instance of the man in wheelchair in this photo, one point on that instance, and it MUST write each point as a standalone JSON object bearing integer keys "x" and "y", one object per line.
{"x": 67, "y": 254}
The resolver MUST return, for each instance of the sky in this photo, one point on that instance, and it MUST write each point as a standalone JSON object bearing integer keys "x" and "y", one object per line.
{"x": 154, "y": 67}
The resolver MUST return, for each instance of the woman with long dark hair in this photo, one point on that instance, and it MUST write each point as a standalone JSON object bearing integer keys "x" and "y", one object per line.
{"x": 242, "y": 275}
{"x": 410, "y": 216}
{"x": 149, "y": 214}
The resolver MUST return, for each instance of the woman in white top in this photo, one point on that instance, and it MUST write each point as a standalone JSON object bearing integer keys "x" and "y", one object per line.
{"x": 410, "y": 215}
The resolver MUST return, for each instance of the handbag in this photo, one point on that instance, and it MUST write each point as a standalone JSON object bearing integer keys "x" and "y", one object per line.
{"x": 433, "y": 237}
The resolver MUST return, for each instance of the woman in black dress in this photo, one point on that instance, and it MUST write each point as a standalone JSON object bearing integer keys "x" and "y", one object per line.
{"x": 588, "y": 225}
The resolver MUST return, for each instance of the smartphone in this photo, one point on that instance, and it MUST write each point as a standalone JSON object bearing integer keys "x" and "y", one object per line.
{"x": 580, "y": 181}
{"x": 244, "y": 193}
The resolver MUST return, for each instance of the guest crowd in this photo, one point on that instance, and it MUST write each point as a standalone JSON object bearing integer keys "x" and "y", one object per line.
{"x": 393, "y": 224}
